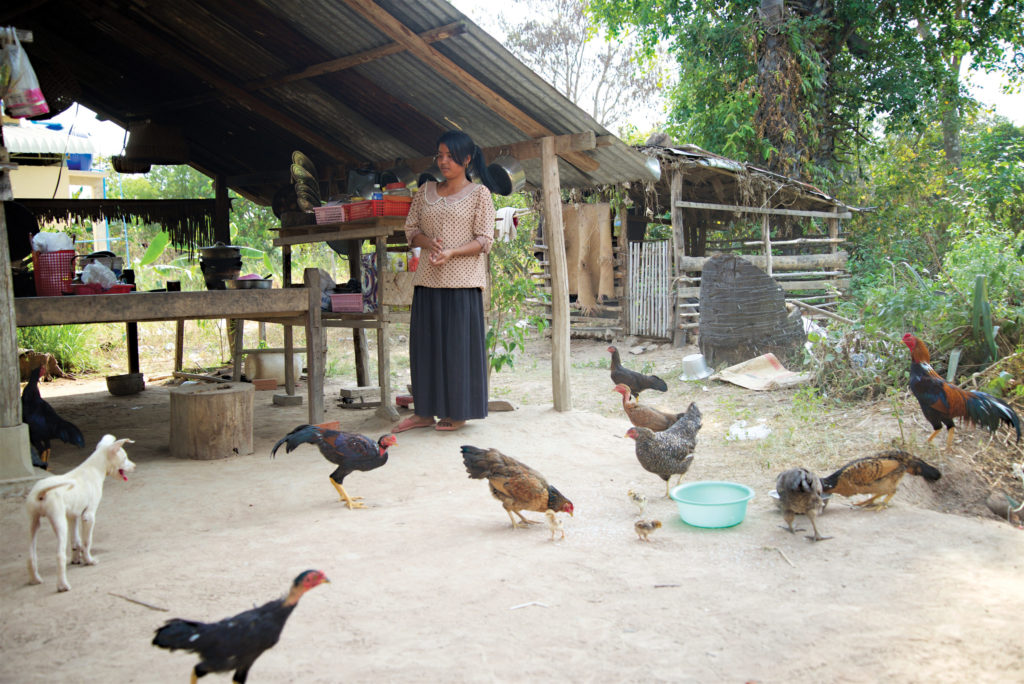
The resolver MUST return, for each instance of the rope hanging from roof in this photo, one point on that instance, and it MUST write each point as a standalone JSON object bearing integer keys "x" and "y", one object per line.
{"x": 189, "y": 222}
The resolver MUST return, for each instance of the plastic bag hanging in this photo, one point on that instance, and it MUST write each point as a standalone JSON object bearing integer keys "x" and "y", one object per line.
{"x": 19, "y": 87}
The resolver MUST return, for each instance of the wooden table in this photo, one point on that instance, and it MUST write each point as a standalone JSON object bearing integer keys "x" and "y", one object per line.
{"x": 289, "y": 307}
{"x": 378, "y": 229}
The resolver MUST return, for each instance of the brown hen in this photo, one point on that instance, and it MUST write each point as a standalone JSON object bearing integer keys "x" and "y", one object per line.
{"x": 645, "y": 416}
{"x": 516, "y": 485}
{"x": 878, "y": 475}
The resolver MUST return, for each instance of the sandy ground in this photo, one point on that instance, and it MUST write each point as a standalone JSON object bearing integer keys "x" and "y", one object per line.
{"x": 431, "y": 583}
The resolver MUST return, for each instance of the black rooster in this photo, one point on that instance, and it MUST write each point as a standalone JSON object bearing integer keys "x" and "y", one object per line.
{"x": 236, "y": 642}
{"x": 43, "y": 422}
{"x": 350, "y": 450}
{"x": 636, "y": 382}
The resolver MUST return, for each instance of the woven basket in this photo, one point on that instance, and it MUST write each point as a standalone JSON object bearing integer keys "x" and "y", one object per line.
{"x": 53, "y": 271}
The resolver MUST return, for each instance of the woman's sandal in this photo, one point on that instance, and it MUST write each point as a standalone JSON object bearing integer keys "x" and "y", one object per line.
{"x": 410, "y": 423}
{"x": 448, "y": 425}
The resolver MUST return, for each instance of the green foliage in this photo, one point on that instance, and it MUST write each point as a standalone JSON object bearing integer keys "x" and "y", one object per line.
{"x": 74, "y": 346}
{"x": 512, "y": 317}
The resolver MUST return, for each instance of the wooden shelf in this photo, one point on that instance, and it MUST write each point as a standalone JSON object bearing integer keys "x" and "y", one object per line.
{"x": 377, "y": 226}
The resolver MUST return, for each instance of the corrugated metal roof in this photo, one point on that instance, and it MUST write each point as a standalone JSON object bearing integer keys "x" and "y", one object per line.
{"x": 218, "y": 68}
{"x": 29, "y": 138}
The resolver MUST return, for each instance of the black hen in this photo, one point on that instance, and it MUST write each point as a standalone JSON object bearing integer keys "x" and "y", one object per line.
{"x": 636, "y": 382}
{"x": 236, "y": 642}
{"x": 43, "y": 423}
{"x": 349, "y": 450}
{"x": 800, "y": 492}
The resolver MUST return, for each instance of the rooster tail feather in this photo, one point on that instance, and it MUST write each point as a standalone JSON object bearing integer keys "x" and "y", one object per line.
{"x": 987, "y": 411}
{"x": 304, "y": 434}
{"x": 67, "y": 432}
{"x": 829, "y": 483}
{"x": 178, "y": 633}
{"x": 658, "y": 384}
{"x": 918, "y": 467}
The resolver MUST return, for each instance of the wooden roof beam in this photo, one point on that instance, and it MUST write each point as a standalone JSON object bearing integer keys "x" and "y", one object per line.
{"x": 399, "y": 32}
{"x": 342, "y": 63}
{"x": 169, "y": 53}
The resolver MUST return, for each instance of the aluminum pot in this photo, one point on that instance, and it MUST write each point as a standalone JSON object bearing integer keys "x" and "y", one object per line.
{"x": 507, "y": 174}
{"x": 400, "y": 174}
{"x": 249, "y": 284}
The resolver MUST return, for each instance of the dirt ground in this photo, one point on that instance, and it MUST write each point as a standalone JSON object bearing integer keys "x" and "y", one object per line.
{"x": 431, "y": 582}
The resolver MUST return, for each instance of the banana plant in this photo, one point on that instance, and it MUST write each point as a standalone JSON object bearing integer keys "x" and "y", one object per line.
{"x": 981, "y": 320}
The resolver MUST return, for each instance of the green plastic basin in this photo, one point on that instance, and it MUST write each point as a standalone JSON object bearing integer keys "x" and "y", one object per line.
{"x": 712, "y": 503}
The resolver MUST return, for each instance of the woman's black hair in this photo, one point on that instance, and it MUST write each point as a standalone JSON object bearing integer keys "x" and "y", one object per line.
{"x": 461, "y": 146}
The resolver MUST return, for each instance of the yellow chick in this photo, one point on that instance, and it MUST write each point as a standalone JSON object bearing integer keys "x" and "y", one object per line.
{"x": 645, "y": 527}
{"x": 639, "y": 500}
{"x": 554, "y": 524}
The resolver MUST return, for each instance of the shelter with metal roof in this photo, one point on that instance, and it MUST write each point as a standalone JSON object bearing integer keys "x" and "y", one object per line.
{"x": 352, "y": 84}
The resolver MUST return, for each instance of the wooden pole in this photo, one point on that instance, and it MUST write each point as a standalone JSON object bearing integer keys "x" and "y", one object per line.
{"x": 386, "y": 410}
{"x": 766, "y": 238}
{"x": 14, "y": 448}
{"x": 678, "y": 250}
{"x": 360, "y": 347}
{"x": 555, "y": 234}
{"x": 622, "y": 247}
{"x": 221, "y": 211}
{"x": 316, "y": 348}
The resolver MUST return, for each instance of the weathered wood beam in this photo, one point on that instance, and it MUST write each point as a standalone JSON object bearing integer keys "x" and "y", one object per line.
{"x": 461, "y": 78}
{"x": 163, "y": 51}
{"x": 785, "y": 262}
{"x": 554, "y": 235}
{"x": 526, "y": 149}
{"x": 763, "y": 210}
{"x": 347, "y": 62}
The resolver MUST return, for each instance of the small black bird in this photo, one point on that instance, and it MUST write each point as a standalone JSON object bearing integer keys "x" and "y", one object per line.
{"x": 636, "y": 382}
{"x": 236, "y": 642}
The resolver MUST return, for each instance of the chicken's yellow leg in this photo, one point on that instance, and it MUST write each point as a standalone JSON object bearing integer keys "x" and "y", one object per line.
{"x": 351, "y": 502}
{"x": 195, "y": 680}
{"x": 949, "y": 438}
{"x": 934, "y": 433}
{"x": 867, "y": 502}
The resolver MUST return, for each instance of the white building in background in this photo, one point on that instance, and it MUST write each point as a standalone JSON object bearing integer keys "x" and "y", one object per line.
{"x": 55, "y": 163}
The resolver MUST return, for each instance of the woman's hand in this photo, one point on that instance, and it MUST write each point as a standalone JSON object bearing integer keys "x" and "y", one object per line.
{"x": 440, "y": 257}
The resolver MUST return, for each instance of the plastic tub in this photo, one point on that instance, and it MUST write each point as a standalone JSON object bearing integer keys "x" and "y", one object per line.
{"x": 711, "y": 503}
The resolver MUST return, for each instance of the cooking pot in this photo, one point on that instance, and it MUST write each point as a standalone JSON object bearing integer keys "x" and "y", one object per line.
{"x": 400, "y": 174}
{"x": 220, "y": 251}
{"x": 431, "y": 174}
{"x": 507, "y": 174}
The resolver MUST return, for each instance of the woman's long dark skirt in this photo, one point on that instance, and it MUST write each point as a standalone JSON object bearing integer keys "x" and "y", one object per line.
{"x": 448, "y": 354}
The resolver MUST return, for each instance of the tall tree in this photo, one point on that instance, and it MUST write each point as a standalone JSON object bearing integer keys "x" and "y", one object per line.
{"x": 799, "y": 83}
{"x": 610, "y": 79}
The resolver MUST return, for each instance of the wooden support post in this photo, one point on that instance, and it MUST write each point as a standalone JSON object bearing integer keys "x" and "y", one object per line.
{"x": 179, "y": 344}
{"x": 766, "y": 238}
{"x": 132, "y": 339}
{"x": 222, "y": 210}
{"x": 833, "y": 232}
{"x": 289, "y": 361}
{"x": 15, "y": 461}
{"x": 286, "y": 265}
{"x": 386, "y": 409}
{"x": 316, "y": 350}
{"x": 236, "y": 349}
{"x": 554, "y": 232}
{"x": 678, "y": 250}
{"x": 623, "y": 266}
{"x": 359, "y": 346}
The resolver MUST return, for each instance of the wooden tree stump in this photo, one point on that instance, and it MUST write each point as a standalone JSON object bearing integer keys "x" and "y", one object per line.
{"x": 212, "y": 421}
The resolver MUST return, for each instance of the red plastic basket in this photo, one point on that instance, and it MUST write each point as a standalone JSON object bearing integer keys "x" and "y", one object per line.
{"x": 394, "y": 206}
{"x": 332, "y": 214}
{"x": 53, "y": 271}
{"x": 361, "y": 210}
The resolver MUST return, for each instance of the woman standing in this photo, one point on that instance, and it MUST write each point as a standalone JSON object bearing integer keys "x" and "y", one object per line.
{"x": 453, "y": 222}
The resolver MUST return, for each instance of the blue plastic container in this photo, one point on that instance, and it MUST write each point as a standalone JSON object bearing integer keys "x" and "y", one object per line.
{"x": 80, "y": 162}
{"x": 711, "y": 503}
